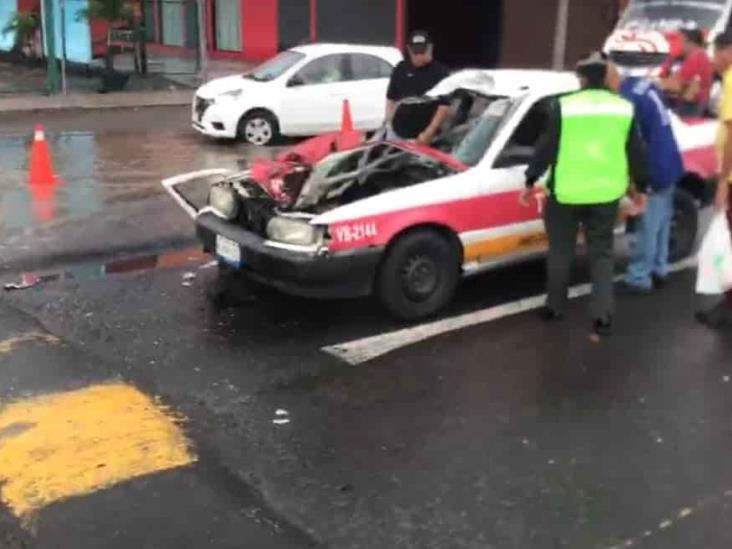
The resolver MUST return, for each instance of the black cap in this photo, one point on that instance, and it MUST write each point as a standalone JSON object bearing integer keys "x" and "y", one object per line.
{"x": 593, "y": 68}
{"x": 419, "y": 41}
{"x": 593, "y": 59}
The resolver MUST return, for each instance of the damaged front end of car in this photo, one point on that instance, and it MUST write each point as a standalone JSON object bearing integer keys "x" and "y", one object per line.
{"x": 280, "y": 200}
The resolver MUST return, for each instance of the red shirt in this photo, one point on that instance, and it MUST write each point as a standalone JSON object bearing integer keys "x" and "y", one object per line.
{"x": 698, "y": 65}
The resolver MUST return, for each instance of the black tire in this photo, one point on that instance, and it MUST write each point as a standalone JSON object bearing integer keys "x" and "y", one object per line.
{"x": 684, "y": 226}
{"x": 419, "y": 275}
{"x": 259, "y": 128}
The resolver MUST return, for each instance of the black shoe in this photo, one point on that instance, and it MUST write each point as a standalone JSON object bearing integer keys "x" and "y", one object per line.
{"x": 659, "y": 282}
{"x": 549, "y": 315}
{"x": 631, "y": 289}
{"x": 602, "y": 326}
{"x": 719, "y": 316}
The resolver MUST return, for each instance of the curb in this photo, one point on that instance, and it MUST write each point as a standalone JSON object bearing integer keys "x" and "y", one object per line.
{"x": 96, "y": 101}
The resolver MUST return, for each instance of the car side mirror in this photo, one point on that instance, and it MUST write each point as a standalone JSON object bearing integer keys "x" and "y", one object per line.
{"x": 295, "y": 81}
{"x": 515, "y": 155}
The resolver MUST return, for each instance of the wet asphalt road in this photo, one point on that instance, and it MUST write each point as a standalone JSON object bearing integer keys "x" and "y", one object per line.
{"x": 509, "y": 434}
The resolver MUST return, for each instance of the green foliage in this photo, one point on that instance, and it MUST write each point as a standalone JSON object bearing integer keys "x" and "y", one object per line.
{"x": 109, "y": 10}
{"x": 23, "y": 25}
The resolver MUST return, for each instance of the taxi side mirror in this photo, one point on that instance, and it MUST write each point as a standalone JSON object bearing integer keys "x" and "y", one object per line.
{"x": 295, "y": 81}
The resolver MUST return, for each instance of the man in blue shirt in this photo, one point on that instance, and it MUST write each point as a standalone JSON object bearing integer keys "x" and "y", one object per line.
{"x": 648, "y": 267}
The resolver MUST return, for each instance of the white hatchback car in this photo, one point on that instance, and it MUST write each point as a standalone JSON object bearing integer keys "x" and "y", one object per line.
{"x": 299, "y": 92}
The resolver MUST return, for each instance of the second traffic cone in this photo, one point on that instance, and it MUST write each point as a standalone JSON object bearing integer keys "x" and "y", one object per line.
{"x": 41, "y": 169}
{"x": 347, "y": 119}
{"x": 348, "y": 137}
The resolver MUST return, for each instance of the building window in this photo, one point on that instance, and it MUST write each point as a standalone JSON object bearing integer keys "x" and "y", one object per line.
{"x": 227, "y": 14}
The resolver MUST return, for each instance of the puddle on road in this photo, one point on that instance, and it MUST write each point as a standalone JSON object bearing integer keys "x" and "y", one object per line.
{"x": 98, "y": 169}
{"x": 98, "y": 270}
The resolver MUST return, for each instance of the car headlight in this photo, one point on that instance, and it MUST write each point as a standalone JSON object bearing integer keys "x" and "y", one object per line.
{"x": 224, "y": 200}
{"x": 233, "y": 94}
{"x": 292, "y": 231}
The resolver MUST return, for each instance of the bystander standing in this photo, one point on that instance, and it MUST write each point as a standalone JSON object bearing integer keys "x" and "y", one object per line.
{"x": 648, "y": 267}
{"x": 414, "y": 77}
{"x": 591, "y": 147}
{"x": 687, "y": 82}
{"x": 721, "y": 315}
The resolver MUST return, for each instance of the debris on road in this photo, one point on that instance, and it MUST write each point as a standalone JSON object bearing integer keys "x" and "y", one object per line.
{"x": 282, "y": 417}
{"x": 26, "y": 281}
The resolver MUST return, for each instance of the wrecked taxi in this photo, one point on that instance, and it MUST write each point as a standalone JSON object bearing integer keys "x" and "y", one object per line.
{"x": 342, "y": 216}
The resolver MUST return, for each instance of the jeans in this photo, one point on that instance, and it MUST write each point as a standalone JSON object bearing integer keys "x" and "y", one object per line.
{"x": 650, "y": 241}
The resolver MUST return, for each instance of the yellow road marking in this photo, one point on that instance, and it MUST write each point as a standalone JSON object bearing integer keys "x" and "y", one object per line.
{"x": 68, "y": 444}
{"x": 10, "y": 344}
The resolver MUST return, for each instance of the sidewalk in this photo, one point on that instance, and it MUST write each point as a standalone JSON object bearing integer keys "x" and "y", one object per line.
{"x": 34, "y": 103}
{"x": 170, "y": 83}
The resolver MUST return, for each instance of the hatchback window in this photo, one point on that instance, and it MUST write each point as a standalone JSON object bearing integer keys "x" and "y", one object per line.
{"x": 275, "y": 67}
{"x": 325, "y": 70}
{"x": 369, "y": 67}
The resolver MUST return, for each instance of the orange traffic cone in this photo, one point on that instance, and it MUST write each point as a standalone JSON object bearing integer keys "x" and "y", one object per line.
{"x": 347, "y": 119}
{"x": 41, "y": 170}
{"x": 348, "y": 137}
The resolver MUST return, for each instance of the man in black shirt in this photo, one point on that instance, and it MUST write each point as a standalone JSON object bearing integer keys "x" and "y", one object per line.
{"x": 414, "y": 77}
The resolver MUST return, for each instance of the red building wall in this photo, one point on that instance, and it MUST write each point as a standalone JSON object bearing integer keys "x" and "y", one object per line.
{"x": 26, "y": 6}
{"x": 259, "y": 28}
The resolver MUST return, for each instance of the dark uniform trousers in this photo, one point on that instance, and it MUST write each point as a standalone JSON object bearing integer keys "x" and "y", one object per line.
{"x": 562, "y": 223}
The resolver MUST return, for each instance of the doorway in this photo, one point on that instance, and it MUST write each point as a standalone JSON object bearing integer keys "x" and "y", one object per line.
{"x": 466, "y": 33}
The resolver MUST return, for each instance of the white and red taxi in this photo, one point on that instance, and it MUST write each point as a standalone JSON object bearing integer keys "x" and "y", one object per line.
{"x": 338, "y": 216}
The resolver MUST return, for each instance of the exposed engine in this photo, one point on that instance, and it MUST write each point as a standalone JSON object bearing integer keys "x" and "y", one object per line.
{"x": 341, "y": 178}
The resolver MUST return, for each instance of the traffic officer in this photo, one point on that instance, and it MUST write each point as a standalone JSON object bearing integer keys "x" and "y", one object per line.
{"x": 414, "y": 77}
{"x": 592, "y": 150}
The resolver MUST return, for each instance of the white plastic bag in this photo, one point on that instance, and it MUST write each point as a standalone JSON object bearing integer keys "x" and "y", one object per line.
{"x": 715, "y": 259}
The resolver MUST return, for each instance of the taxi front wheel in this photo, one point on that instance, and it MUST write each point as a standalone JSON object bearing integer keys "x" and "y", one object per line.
{"x": 419, "y": 275}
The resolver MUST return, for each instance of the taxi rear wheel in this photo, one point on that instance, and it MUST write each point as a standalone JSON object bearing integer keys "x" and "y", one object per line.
{"x": 419, "y": 275}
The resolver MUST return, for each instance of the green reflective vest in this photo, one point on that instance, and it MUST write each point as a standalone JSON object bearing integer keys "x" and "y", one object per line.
{"x": 592, "y": 164}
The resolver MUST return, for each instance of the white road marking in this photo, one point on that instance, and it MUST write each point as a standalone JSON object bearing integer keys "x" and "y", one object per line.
{"x": 362, "y": 350}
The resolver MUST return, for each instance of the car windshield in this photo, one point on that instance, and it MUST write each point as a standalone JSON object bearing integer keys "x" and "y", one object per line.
{"x": 672, "y": 14}
{"x": 474, "y": 145}
{"x": 275, "y": 67}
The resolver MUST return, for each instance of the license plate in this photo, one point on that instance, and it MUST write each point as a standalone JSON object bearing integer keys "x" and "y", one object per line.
{"x": 228, "y": 250}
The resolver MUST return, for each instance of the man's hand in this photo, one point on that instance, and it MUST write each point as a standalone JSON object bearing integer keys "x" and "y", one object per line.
{"x": 640, "y": 203}
{"x": 526, "y": 197}
{"x": 425, "y": 138}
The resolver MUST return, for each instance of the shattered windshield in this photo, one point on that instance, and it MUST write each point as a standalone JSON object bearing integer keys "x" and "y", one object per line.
{"x": 474, "y": 145}
{"x": 275, "y": 67}
{"x": 672, "y": 15}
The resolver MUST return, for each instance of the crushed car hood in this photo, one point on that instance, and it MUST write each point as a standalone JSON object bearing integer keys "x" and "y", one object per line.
{"x": 284, "y": 178}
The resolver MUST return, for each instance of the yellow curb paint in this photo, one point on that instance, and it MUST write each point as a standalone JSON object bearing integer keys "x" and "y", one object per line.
{"x": 10, "y": 344}
{"x": 69, "y": 444}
